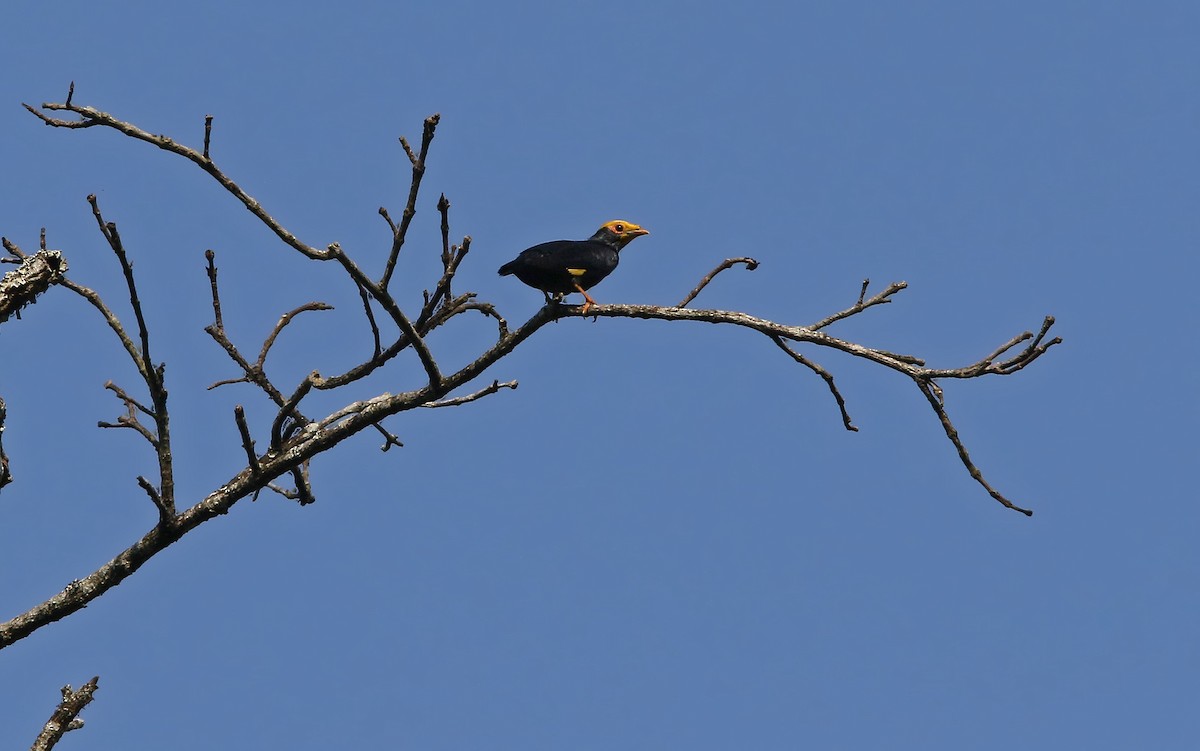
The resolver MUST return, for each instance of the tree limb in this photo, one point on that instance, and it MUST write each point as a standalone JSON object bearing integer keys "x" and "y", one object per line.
{"x": 36, "y": 274}
{"x": 295, "y": 440}
{"x": 66, "y": 715}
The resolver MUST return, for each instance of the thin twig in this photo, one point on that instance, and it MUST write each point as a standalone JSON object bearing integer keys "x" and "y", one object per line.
{"x": 456, "y": 255}
{"x": 413, "y": 338}
{"x": 109, "y": 230}
{"x": 166, "y": 514}
{"x": 291, "y": 495}
{"x": 389, "y": 439}
{"x": 57, "y": 123}
{"x": 881, "y": 298}
{"x": 152, "y": 374}
{"x": 288, "y": 412}
{"x": 410, "y": 208}
{"x": 92, "y": 116}
{"x": 1038, "y": 345}
{"x": 124, "y": 421}
{"x": 443, "y": 207}
{"x": 1035, "y": 350}
{"x": 5, "y": 475}
{"x": 239, "y": 417}
{"x": 456, "y": 401}
{"x": 377, "y": 344}
{"x": 751, "y": 265}
{"x": 129, "y": 401}
{"x": 211, "y": 269}
{"x": 825, "y": 374}
{"x": 935, "y": 401}
{"x": 304, "y": 493}
{"x": 283, "y": 321}
{"x": 383, "y": 212}
{"x": 130, "y": 419}
{"x": 13, "y": 249}
{"x": 253, "y": 372}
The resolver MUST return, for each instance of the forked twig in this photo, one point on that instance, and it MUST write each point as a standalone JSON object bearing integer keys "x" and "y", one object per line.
{"x": 456, "y": 401}
{"x": 66, "y": 715}
{"x": 881, "y": 298}
{"x": 410, "y": 208}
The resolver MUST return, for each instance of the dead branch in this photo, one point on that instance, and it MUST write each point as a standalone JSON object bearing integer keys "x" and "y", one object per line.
{"x": 152, "y": 375}
{"x": 825, "y": 374}
{"x": 5, "y": 475}
{"x": 284, "y": 320}
{"x": 295, "y": 439}
{"x": 882, "y": 298}
{"x": 410, "y": 209}
{"x": 66, "y": 715}
{"x": 239, "y": 417}
{"x": 456, "y": 401}
{"x": 34, "y": 275}
{"x": 751, "y": 265}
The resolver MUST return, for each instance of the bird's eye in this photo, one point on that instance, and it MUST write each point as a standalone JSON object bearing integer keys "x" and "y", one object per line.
{"x": 619, "y": 227}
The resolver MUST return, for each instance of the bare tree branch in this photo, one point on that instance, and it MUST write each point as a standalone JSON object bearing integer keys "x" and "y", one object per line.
{"x": 389, "y": 439}
{"x": 239, "y": 416}
{"x": 288, "y": 416}
{"x": 412, "y": 338}
{"x": 66, "y": 715}
{"x": 934, "y": 395}
{"x": 751, "y": 265}
{"x": 825, "y": 374}
{"x": 295, "y": 439}
{"x": 410, "y": 208}
{"x": 252, "y": 372}
{"x": 36, "y": 274}
{"x": 366, "y": 301}
{"x": 456, "y": 401}
{"x": 284, "y": 320}
{"x": 91, "y": 117}
{"x": 152, "y": 375}
{"x": 858, "y": 307}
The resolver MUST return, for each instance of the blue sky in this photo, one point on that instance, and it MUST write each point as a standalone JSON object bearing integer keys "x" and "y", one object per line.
{"x": 664, "y": 538}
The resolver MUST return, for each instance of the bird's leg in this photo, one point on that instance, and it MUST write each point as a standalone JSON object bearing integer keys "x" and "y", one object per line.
{"x": 588, "y": 302}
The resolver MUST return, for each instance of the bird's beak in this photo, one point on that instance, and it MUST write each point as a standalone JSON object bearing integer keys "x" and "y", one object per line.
{"x": 637, "y": 232}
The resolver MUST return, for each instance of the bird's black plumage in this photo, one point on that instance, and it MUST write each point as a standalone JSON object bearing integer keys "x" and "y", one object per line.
{"x": 559, "y": 265}
{"x": 565, "y": 266}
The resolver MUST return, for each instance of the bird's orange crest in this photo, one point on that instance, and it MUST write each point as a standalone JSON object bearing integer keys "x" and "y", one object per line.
{"x": 621, "y": 227}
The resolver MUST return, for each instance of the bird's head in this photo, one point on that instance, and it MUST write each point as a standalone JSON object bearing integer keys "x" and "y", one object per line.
{"x": 619, "y": 233}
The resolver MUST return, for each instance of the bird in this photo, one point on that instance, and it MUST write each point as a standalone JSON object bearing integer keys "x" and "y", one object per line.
{"x": 561, "y": 267}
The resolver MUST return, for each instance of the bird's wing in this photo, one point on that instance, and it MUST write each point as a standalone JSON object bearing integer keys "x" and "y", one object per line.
{"x": 556, "y": 254}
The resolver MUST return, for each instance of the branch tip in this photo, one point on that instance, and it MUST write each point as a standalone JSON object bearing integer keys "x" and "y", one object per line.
{"x": 750, "y": 263}
{"x": 208, "y": 121}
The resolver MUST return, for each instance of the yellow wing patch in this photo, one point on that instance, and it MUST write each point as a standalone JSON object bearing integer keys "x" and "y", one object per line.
{"x": 576, "y": 272}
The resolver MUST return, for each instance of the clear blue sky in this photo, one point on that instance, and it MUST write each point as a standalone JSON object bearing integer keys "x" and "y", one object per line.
{"x": 664, "y": 538}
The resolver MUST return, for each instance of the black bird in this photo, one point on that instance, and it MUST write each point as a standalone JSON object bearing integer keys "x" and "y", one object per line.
{"x": 561, "y": 267}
